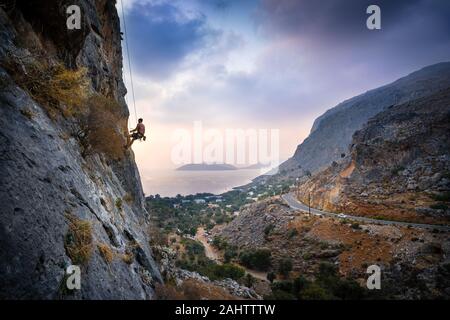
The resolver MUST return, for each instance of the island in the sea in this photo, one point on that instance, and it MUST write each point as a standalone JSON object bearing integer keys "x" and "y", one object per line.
{"x": 206, "y": 167}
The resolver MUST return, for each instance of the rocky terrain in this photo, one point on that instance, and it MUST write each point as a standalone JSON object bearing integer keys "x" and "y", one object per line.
{"x": 385, "y": 155}
{"x": 398, "y": 166}
{"x": 191, "y": 285}
{"x": 70, "y": 194}
{"x": 332, "y": 132}
{"x": 415, "y": 262}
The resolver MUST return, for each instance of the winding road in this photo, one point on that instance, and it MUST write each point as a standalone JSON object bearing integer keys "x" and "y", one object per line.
{"x": 291, "y": 200}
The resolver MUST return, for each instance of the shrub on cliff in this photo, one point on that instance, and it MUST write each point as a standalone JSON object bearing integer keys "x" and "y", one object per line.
{"x": 99, "y": 129}
{"x": 57, "y": 89}
{"x": 285, "y": 266}
{"x": 78, "y": 241}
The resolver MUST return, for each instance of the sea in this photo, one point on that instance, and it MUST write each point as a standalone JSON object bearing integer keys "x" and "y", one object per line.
{"x": 170, "y": 182}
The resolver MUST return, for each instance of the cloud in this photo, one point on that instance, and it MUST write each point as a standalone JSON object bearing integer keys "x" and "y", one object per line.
{"x": 162, "y": 37}
{"x": 344, "y": 21}
{"x": 273, "y": 64}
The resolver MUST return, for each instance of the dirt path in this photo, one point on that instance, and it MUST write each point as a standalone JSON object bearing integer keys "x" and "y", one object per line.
{"x": 215, "y": 255}
{"x": 210, "y": 252}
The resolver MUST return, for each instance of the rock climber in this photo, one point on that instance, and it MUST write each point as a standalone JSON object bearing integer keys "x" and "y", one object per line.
{"x": 137, "y": 133}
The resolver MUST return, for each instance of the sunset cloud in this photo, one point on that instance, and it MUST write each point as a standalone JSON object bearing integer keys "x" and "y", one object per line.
{"x": 272, "y": 63}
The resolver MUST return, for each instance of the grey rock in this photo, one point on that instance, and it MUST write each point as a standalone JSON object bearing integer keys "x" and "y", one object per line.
{"x": 43, "y": 175}
{"x": 332, "y": 132}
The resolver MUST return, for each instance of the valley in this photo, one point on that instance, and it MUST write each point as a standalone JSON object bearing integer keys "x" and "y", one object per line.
{"x": 369, "y": 186}
{"x": 313, "y": 233}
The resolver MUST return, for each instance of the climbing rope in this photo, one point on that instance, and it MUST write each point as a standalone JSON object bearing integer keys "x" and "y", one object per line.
{"x": 129, "y": 61}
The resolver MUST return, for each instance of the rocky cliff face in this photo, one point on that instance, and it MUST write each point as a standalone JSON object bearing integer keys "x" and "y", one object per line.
{"x": 62, "y": 205}
{"x": 397, "y": 168}
{"x": 332, "y": 132}
{"x": 414, "y": 261}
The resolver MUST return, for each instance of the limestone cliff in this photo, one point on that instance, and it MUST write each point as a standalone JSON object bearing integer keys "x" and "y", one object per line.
{"x": 397, "y": 168}
{"x": 70, "y": 194}
{"x": 332, "y": 132}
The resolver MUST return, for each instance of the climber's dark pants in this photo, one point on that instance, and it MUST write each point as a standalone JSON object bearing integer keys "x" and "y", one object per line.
{"x": 137, "y": 135}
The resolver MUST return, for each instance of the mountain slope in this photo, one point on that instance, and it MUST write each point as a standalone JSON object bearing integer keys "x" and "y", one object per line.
{"x": 398, "y": 166}
{"x": 332, "y": 132}
{"x": 70, "y": 194}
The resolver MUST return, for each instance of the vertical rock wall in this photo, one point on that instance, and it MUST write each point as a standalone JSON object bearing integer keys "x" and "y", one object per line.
{"x": 44, "y": 178}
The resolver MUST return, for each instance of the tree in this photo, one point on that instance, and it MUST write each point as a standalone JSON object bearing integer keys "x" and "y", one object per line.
{"x": 249, "y": 280}
{"x": 259, "y": 259}
{"x": 299, "y": 284}
{"x": 230, "y": 253}
{"x": 285, "y": 266}
{"x": 271, "y": 276}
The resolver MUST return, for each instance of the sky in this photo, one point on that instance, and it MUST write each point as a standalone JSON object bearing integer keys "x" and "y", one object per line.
{"x": 265, "y": 64}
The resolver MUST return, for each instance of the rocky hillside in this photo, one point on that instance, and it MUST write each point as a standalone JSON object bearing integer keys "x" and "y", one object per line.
{"x": 398, "y": 166}
{"x": 332, "y": 132}
{"x": 70, "y": 193}
{"x": 414, "y": 262}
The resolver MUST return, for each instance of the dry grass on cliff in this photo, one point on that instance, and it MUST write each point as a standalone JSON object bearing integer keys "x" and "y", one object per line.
{"x": 56, "y": 88}
{"x": 78, "y": 241}
{"x": 106, "y": 252}
{"x": 101, "y": 132}
{"x": 65, "y": 92}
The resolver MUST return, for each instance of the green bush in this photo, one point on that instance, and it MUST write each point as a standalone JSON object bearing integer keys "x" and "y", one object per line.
{"x": 119, "y": 204}
{"x": 230, "y": 253}
{"x": 249, "y": 280}
{"x": 228, "y": 270}
{"x": 439, "y": 206}
{"x": 282, "y": 285}
{"x": 314, "y": 292}
{"x": 299, "y": 284}
{"x": 349, "y": 290}
{"x": 396, "y": 170}
{"x": 292, "y": 233}
{"x": 271, "y": 276}
{"x": 219, "y": 243}
{"x": 280, "y": 295}
{"x": 268, "y": 229}
{"x": 445, "y": 197}
{"x": 259, "y": 259}
{"x": 194, "y": 248}
{"x": 355, "y": 225}
{"x": 328, "y": 285}
{"x": 285, "y": 266}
